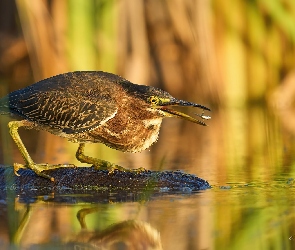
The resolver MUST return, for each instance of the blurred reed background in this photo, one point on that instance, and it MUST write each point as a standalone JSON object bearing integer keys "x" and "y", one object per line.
{"x": 236, "y": 57}
{"x": 222, "y": 54}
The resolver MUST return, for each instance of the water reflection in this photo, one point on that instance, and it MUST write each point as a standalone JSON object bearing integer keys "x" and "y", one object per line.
{"x": 124, "y": 235}
{"x": 248, "y": 156}
{"x": 52, "y": 227}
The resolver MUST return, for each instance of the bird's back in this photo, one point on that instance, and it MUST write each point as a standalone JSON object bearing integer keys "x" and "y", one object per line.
{"x": 72, "y": 102}
{"x": 79, "y": 83}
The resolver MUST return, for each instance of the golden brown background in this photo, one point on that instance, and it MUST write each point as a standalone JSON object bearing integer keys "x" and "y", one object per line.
{"x": 235, "y": 56}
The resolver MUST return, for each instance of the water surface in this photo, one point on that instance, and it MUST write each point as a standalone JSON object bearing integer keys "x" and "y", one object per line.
{"x": 247, "y": 155}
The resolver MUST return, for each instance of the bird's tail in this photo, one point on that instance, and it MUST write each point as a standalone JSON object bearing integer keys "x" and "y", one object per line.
{"x": 4, "y": 106}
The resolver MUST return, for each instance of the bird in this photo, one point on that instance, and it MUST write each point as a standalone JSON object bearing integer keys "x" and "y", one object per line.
{"x": 91, "y": 107}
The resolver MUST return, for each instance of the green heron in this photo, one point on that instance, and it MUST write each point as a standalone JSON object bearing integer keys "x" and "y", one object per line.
{"x": 91, "y": 107}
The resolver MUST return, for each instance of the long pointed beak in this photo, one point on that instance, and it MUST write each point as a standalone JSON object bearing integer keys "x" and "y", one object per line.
{"x": 178, "y": 114}
{"x": 185, "y": 103}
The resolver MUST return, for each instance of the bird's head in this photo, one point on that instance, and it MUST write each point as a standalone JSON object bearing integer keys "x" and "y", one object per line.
{"x": 161, "y": 101}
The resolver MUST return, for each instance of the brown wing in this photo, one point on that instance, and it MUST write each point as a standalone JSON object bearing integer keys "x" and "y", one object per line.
{"x": 59, "y": 104}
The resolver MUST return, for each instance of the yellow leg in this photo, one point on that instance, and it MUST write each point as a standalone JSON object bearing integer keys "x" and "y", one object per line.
{"x": 37, "y": 168}
{"x": 100, "y": 164}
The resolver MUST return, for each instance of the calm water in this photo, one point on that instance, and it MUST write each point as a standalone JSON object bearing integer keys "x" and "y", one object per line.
{"x": 246, "y": 155}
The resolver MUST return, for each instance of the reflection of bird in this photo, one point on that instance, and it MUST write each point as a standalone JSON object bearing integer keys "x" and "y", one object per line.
{"x": 91, "y": 107}
{"x": 130, "y": 234}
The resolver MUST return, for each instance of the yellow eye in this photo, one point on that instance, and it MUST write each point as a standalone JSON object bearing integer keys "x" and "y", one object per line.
{"x": 154, "y": 100}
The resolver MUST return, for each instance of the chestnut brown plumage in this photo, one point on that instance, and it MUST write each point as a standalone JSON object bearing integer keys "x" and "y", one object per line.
{"x": 95, "y": 107}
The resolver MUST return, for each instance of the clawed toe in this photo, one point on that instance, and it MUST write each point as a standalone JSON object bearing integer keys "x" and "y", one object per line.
{"x": 18, "y": 166}
{"x": 39, "y": 168}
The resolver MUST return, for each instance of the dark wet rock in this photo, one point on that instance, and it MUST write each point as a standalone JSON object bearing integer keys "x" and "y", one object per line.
{"x": 101, "y": 184}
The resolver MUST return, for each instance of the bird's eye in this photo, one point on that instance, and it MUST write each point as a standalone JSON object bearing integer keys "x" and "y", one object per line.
{"x": 154, "y": 100}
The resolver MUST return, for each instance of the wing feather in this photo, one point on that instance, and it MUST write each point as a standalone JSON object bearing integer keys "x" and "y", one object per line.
{"x": 60, "y": 104}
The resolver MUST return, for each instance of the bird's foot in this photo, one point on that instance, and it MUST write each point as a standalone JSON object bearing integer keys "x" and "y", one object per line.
{"x": 105, "y": 165}
{"x": 99, "y": 164}
{"x": 39, "y": 168}
{"x": 16, "y": 167}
